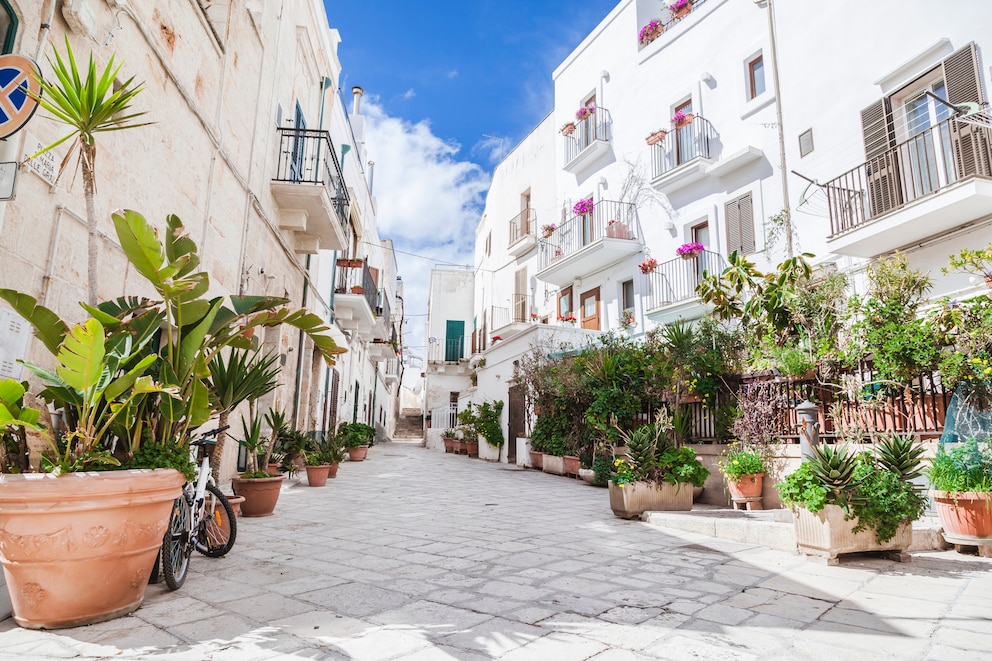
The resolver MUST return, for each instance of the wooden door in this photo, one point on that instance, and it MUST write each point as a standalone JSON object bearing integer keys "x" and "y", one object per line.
{"x": 589, "y": 309}
{"x": 516, "y": 421}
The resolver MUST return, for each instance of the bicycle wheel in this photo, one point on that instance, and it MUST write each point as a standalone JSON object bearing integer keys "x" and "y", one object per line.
{"x": 176, "y": 547}
{"x": 219, "y": 527}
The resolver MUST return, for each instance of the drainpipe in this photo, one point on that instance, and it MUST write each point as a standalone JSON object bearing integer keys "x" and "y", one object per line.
{"x": 299, "y": 353}
{"x": 356, "y": 93}
{"x": 781, "y": 132}
{"x": 371, "y": 173}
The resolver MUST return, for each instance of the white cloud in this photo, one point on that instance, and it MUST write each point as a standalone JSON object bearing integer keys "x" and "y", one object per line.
{"x": 428, "y": 203}
{"x": 409, "y": 94}
{"x": 492, "y": 148}
{"x": 453, "y": 73}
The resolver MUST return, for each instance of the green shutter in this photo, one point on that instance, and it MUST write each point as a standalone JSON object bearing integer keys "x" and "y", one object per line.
{"x": 454, "y": 341}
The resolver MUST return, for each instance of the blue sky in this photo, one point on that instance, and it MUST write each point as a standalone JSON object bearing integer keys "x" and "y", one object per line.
{"x": 438, "y": 77}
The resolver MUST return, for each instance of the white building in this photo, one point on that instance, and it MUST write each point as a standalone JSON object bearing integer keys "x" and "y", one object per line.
{"x": 252, "y": 146}
{"x": 866, "y": 162}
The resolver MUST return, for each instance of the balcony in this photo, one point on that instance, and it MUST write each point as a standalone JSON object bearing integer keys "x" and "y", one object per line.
{"x": 931, "y": 184}
{"x": 589, "y": 141}
{"x": 590, "y": 242}
{"x": 447, "y": 355}
{"x": 310, "y": 190}
{"x": 383, "y": 320}
{"x": 683, "y": 157}
{"x": 670, "y": 291}
{"x": 522, "y": 237}
{"x": 391, "y": 373}
{"x": 355, "y": 297}
{"x": 508, "y": 321}
{"x": 380, "y": 350}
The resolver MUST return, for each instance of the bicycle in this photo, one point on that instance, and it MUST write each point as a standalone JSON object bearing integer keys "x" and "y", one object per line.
{"x": 201, "y": 519}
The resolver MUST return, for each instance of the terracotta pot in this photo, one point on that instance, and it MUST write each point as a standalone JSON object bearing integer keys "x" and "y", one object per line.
{"x": 657, "y": 136}
{"x": 988, "y": 281}
{"x": 568, "y": 129}
{"x": 686, "y": 121}
{"x": 235, "y": 502}
{"x": 746, "y": 486}
{"x": 689, "y": 255}
{"x": 273, "y": 469}
{"x": 458, "y": 446}
{"x": 317, "y": 475}
{"x": 572, "y": 465}
{"x": 332, "y": 470}
{"x": 965, "y": 516}
{"x": 356, "y": 290}
{"x": 359, "y": 453}
{"x": 536, "y": 459}
{"x": 684, "y": 11}
{"x": 617, "y": 231}
{"x": 634, "y": 499}
{"x": 261, "y": 494}
{"x": 472, "y": 448}
{"x": 449, "y": 445}
{"x": 78, "y": 549}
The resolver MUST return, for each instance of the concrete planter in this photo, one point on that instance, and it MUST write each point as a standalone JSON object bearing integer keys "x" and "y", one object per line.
{"x": 554, "y": 465}
{"x": 632, "y": 500}
{"x": 827, "y": 534}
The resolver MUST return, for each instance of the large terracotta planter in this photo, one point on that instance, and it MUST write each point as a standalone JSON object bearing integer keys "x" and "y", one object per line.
{"x": 317, "y": 475}
{"x": 332, "y": 470}
{"x": 261, "y": 494}
{"x": 79, "y": 548}
{"x": 536, "y": 459}
{"x": 572, "y": 465}
{"x": 359, "y": 453}
{"x": 746, "y": 486}
{"x": 458, "y": 446}
{"x": 965, "y": 516}
{"x": 828, "y": 534}
{"x": 235, "y": 502}
{"x": 472, "y": 448}
{"x": 632, "y": 500}
{"x": 449, "y": 444}
{"x": 554, "y": 465}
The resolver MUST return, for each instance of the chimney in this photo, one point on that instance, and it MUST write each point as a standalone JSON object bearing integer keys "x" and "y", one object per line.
{"x": 357, "y": 92}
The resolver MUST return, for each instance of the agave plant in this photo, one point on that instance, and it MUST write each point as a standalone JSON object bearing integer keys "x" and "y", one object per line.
{"x": 901, "y": 455}
{"x": 834, "y": 467}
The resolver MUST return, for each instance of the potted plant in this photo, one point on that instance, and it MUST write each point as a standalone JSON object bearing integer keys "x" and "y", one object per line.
{"x": 744, "y": 470}
{"x": 448, "y": 436}
{"x": 567, "y": 319}
{"x": 961, "y": 481}
{"x": 655, "y": 137}
{"x": 357, "y": 437}
{"x": 682, "y": 119}
{"x": 583, "y": 207}
{"x": 846, "y": 502}
{"x": 260, "y": 487}
{"x": 617, "y": 230}
{"x": 318, "y": 467}
{"x": 357, "y": 289}
{"x": 627, "y": 320}
{"x": 654, "y": 472}
{"x": 680, "y": 8}
{"x": 548, "y": 230}
{"x": 648, "y": 265}
{"x": 585, "y": 112}
{"x": 333, "y": 450}
{"x": 568, "y": 129}
{"x": 690, "y": 250}
{"x": 649, "y": 33}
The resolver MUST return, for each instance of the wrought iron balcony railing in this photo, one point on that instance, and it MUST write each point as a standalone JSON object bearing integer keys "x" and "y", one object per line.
{"x": 522, "y": 225}
{"x": 597, "y": 126}
{"x": 676, "y": 280}
{"x": 617, "y": 220}
{"x": 681, "y": 146}
{"x": 517, "y": 313}
{"x": 357, "y": 280}
{"x": 448, "y": 350}
{"x": 308, "y": 157}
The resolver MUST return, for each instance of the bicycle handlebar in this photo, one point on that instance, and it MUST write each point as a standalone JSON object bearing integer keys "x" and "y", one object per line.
{"x": 206, "y": 437}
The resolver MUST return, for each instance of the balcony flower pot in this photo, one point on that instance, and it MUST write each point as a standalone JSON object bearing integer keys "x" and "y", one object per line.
{"x": 568, "y": 129}
{"x": 648, "y": 266}
{"x": 827, "y": 534}
{"x": 633, "y": 499}
{"x": 261, "y": 494}
{"x": 656, "y": 137}
{"x": 78, "y": 549}
{"x": 449, "y": 444}
{"x": 965, "y": 516}
{"x": 317, "y": 475}
{"x": 553, "y": 464}
{"x": 585, "y": 112}
{"x": 350, "y": 263}
{"x": 572, "y": 465}
{"x": 356, "y": 289}
{"x": 682, "y": 120}
{"x": 358, "y": 453}
{"x": 616, "y": 230}
{"x": 680, "y": 8}
{"x": 537, "y": 459}
{"x": 650, "y": 32}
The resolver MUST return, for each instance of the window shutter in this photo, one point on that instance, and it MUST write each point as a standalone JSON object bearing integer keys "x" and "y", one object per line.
{"x": 733, "y": 226}
{"x": 332, "y": 413}
{"x": 963, "y": 80}
{"x": 746, "y": 214}
{"x": 882, "y": 169}
{"x": 876, "y": 128}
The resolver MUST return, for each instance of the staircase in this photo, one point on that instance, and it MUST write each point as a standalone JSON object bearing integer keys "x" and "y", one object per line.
{"x": 409, "y": 426}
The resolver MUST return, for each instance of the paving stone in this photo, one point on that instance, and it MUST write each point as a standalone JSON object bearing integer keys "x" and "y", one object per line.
{"x": 724, "y": 614}
{"x": 356, "y": 599}
{"x": 557, "y": 646}
{"x": 382, "y": 644}
{"x": 439, "y": 619}
{"x": 630, "y": 614}
{"x": 494, "y": 637}
{"x": 794, "y": 607}
{"x": 679, "y": 648}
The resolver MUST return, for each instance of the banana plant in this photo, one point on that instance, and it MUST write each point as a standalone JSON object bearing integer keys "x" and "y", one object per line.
{"x": 15, "y": 418}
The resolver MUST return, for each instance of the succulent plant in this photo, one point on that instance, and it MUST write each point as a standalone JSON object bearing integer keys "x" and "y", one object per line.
{"x": 901, "y": 455}
{"x": 834, "y": 467}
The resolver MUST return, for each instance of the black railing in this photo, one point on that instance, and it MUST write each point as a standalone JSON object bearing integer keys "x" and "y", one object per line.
{"x": 517, "y": 313}
{"x": 308, "y": 157}
{"x": 359, "y": 281}
{"x": 597, "y": 126}
{"x": 681, "y": 146}
{"x": 615, "y": 220}
{"x": 382, "y": 311}
{"x": 676, "y": 280}
{"x": 522, "y": 225}
{"x": 920, "y": 166}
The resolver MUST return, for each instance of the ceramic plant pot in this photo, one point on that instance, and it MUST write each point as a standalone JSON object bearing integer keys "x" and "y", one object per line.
{"x": 261, "y": 494}
{"x": 449, "y": 445}
{"x": 745, "y": 486}
{"x": 965, "y": 516}
{"x": 317, "y": 475}
{"x": 332, "y": 470}
{"x": 79, "y": 548}
{"x": 359, "y": 453}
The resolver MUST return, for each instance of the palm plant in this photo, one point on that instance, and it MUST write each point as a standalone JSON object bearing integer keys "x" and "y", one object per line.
{"x": 88, "y": 106}
{"x": 244, "y": 375}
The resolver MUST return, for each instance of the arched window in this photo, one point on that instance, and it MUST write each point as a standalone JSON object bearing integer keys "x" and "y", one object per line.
{"x": 8, "y": 26}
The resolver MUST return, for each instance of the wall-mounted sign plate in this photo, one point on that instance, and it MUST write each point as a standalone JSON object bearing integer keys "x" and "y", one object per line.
{"x": 17, "y": 76}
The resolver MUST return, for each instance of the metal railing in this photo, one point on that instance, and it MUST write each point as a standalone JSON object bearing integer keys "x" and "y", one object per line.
{"x": 392, "y": 367}
{"x": 682, "y": 146}
{"x": 382, "y": 310}
{"x": 517, "y": 313}
{"x": 597, "y": 126}
{"x": 921, "y": 166}
{"x": 307, "y": 157}
{"x": 444, "y": 417}
{"x": 617, "y": 220}
{"x": 676, "y": 280}
{"x": 522, "y": 226}
{"x": 446, "y": 351}
{"x": 351, "y": 278}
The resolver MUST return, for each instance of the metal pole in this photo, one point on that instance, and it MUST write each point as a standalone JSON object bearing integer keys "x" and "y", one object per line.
{"x": 786, "y": 211}
{"x": 809, "y": 430}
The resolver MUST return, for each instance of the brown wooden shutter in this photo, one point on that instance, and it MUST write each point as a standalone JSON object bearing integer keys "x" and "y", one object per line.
{"x": 733, "y": 226}
{"x": 882, "y": 167}
{"x": 332, "y": 400}
{"x": 745, "y": 212}
{"x": 963, "y": 81}
{"x": 375, "y": 275}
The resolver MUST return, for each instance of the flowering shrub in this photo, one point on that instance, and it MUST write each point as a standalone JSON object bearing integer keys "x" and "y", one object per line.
{"x": 650, "y": 32}
{"x": 648, "y": 265}
{"x": 585, "y": 111}
{"x": 679, "y": 5}
{"x": 582, "y": 207}
{"x": 691, "y": 248}
{"x": 679, "y": 118}
{"x": 569, "y": 318}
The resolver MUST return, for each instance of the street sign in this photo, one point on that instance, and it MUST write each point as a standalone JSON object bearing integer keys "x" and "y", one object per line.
{"x": 16, "y": 106}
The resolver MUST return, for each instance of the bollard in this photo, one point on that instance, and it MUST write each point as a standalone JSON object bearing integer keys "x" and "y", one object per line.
{"x": 809, "y": 427}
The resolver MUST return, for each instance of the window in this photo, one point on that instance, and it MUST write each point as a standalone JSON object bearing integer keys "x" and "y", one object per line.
{"x": 685, "y": 143}
{"x": 8, "y": 26}
{"x": 565, "y": 302}
{"x": 299, "y": 145}
{"x": 805, "y": 143}
{"x": 589, "y": 307}
{"x": 627, "y": 295}
{"x": 756, "y": 77}
{"x": 740, "y": 225}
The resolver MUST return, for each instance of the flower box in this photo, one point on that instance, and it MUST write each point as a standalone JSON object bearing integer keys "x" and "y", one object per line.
{"x": 568, "y": 129}
{"x": 554, "y": 465}
{"x": 828, "y": 534}
{"x": 537, "y": 459}
{"x": 583, "y": 207}
{"x": 350, "y": 263}
{"x": 656, "y": 137}
{"x": 572, "y": 465}
{"x": 680, "y": 8}
{"x": 357, "y": 289}
{"x": 615, "y": 230}
{"x": 650, "y": 32}
{"x": 690, "y": 250}
{"x": 633, "y": 499}
{"x": 585, "y": 112}
{"x": 681, "y": 119}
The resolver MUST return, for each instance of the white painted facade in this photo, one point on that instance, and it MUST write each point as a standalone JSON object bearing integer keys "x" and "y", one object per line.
{"x": 223, "y": 85}
{"x": 699, "y": 183}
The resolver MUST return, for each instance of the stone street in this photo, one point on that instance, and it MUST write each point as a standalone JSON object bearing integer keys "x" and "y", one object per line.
{"x": 414, "y": 554}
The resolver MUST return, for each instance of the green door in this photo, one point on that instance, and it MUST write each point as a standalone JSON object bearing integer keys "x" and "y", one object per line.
{"x": 454, "y": 341}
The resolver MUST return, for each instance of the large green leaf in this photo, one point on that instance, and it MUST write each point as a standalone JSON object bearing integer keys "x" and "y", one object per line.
{"x": 11, "y": 391}
{"x": 250, "y": 304}
{"x": 198, "y": 408}
{"x": 81, "y": 355}
{"x": 191, "y": 344}
{"x": 47, "y": 326}
{"x": 141, "y": 245}
{"x": 178, "y": 247}
{"x": 121, "y": 384}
